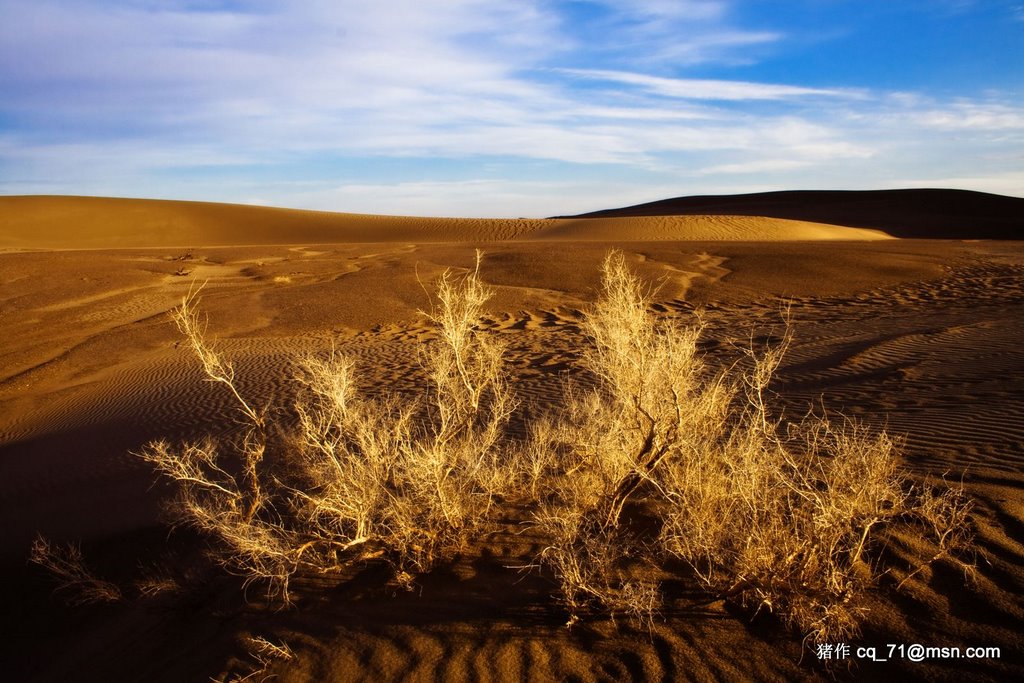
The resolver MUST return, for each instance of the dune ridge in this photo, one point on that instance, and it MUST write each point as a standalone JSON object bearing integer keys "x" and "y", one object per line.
{"x": 63, "y": 222}
{"x": 920, "y": 213}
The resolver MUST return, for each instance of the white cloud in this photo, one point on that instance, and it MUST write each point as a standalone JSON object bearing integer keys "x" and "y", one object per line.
{"x": 152, "y": 98}
{"x": 971, "y": 116}
{"x": 665, "y": 34}
{"x": 708, "y": 89}
{"x": 706, "y": 47}
{"x": 757, "y": 166}
{"x": 1007, "y": 183}
{"x": 691, "y": 10}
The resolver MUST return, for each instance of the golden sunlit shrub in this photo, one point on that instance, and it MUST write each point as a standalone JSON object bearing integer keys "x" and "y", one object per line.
{"x": 407, "y": 479}
{"x": 663, "y": 462}
{"x": 776, "y": 521}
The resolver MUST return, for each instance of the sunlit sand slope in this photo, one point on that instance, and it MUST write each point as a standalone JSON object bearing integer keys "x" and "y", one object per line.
{"x": 39, "y": 222}
{"x": 92, "y": 222}
{"x": 927, "y": 213}
{"x": 711, "y": 228}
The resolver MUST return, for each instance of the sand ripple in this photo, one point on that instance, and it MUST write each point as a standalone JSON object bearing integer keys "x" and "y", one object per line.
{"x": 936, "y": 359}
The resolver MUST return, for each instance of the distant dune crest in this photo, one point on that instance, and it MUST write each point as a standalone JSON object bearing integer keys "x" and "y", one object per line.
{"x": 64, "y": 222}
{"x": 922, "y": 213}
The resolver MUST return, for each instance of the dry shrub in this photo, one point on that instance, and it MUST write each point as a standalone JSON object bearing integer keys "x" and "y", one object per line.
{"x": 944, "y": 511}
{"x": 409, "y": 479}
{"x": 663, "y": 458}
{"x": 76, "y": 582}
{"x": 654, "y": 399}
{"x": 782, "y": 522}
{"x": 235, "y": 509}
{"x": 414, "y": 477}
{"x": 264, "y": 652}
{"x": 227, "y": 498}
{"x": 600, "y": 570}
{"x": 790, "y": 519}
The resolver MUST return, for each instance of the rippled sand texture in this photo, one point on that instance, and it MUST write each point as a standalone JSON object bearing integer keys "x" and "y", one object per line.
{"x": 920, "y": 336}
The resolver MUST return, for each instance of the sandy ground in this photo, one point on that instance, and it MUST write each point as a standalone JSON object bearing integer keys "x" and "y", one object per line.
{"x": 919, "y": 336}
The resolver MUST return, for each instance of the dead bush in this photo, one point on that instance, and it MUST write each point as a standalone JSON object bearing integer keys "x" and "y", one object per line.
{"x": 665, "y": 457}
{"x": 75, "y": 581}
{"x": 408, "y": 479}
{"x": 779, "y": 522}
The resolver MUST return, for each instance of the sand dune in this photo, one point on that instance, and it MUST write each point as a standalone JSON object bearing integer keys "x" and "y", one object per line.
{"x": 97, "y": 222}
{"x": 926, "y": 213}
{"x": 700, "y": 228}
{"x": 921, "y": 336}
{"x": 39, "y": 222}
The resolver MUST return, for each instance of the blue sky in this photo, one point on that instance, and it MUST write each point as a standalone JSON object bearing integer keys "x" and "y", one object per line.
{"x": 493, "y": 108}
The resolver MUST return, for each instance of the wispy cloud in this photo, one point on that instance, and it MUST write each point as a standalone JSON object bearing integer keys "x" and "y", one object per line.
{"x": 709, "y": 89}
{"x": 968, "y": 116}
{"x": 660, "y": 33}
{"x": 757, "y": 166}
{"x": 295, "y": 103}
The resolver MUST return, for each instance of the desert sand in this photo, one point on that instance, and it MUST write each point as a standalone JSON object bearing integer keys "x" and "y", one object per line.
{"x": 919, "y": 336}
{"x": 924, "y": 213}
